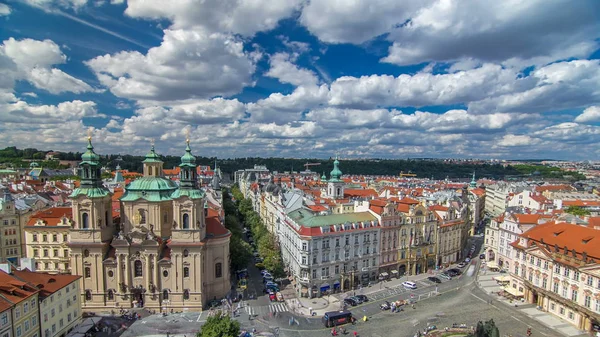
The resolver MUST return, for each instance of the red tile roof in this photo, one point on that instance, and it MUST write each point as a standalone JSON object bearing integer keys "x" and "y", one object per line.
{"x": 478, "y": 191}
{"x": 51, "y": 216}
{"x": 527, "y": 218}
{"x": 15, "y": 290}
{"x": 580, "y": 238}
{"x": 213, "y": 224}
{"x": 4, "y": 305}
{"x": 48, "y": 284}
{"x": 581, "y": 203}
{"x": 317, "y": 208}
{"x": 348, "y": 193}
{"x": 408, "y": 201}
{"x": 438, "y": 208}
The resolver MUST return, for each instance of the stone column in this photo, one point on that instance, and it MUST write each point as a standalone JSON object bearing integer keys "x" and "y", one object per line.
{"x": 148, "y": 271}
{"x": 119, "y": 271}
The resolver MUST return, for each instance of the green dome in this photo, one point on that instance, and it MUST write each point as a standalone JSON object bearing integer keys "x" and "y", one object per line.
{"x": 149, "y": 188}
{"x": 188, "y": 159}
{"x": 152, "y": 157}
{"x": 323, "y": 177}
{"x": 335, "y": 173}
{"x": 151, "y": 184}
{"x": 90, "y": 156}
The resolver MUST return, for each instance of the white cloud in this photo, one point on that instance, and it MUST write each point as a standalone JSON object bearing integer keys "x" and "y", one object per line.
{"x": 24, "y": 113}
{"x": 355, "y": 21}
{"x": 188, "y": 64}
{"x": 32, "y": 60}
{"x": 511, "y": 140}
{"x": 281, "y": 108}
{"x": 224, "y": 16}
{"x": 285, "y": 71}
{"x": 4, "y": 10}
{"x": 591, "y": 114}
{"x": 49, "y": 4}
{"x": 513, "y": 31}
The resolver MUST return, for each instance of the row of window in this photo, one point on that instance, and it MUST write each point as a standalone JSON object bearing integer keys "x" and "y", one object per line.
{"x": 61, "y": 324}
{"x": 34, "y": 238}
{"x": 325, "y": 270}
{"x": 12, "y": 222}
{"x": 50, "y": 266}
{"x": 12, "y": 251}
{"x": 139, "y": 270}
{"x": 10, "y": 232}
{"x": 10, "y": 242}
{"x": 558, "y": 269}
{"x": 27, "y": 325}
{"x": 55, "y": 253}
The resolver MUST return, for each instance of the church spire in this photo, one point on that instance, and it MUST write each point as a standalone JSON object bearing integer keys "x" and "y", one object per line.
{"x": 187, "y": 168}
{"x": 473, "y": 181}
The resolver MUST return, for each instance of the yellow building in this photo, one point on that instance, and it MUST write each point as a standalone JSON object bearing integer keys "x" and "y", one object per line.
{"x": 170, "y": 250}
{"x": 23, "y": 297}
{"x": 47, "y": 238}
{"x": 417, "y": 240}
{"x": 59, "y": 299}
{"x": 10, "y": 232}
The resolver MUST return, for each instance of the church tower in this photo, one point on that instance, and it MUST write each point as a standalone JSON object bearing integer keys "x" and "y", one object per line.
{"x": 92, "y": 230}
{"x": 335, "y": 186}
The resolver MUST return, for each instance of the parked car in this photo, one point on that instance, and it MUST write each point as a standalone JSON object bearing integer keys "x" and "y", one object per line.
{"x": 461, "y": 265}
{"x": 356, "y": 299}
{"x": 264, "y": 271}
{"x": 409, "y": 285}
{"x": 445, "y": 276}
{"x": 453, "y": 272}
{"x": 258, "y": 260}
{"x": 385, "y": 305}
{"x": 362, "y": 298}
{"x": 267, "y": 279}
{"x": 255, "y": 254}
{"x": 350, "y": 301}
{"x": 468, "y": 259}
{"x": 272, "y": 295}
{"x": 434, "y": 279}
{"x": 266, "y": 274}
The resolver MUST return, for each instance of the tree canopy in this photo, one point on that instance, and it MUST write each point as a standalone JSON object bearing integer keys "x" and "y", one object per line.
{"x": 219, "y": 326}
{"x": 577, "y": 211}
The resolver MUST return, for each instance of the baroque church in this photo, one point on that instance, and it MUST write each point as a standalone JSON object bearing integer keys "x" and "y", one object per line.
{"x": 168, "y": 252}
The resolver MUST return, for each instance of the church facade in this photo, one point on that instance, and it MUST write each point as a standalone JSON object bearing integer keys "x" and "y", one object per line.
{"x": 168, "y": 252}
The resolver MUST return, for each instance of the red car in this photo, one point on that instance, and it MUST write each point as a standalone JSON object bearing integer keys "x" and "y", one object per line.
{"x": 272, "y": 296}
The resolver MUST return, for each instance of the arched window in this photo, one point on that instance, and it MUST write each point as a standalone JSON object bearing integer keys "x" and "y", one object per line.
{"x": 186, "y": 294}
{"x": 106, "y": 219}
{"x": 186, "y": 253}
{"x": 88, "y": 295}
{"x": 338, "y": 191}
{"x": 111, "y": 295}
{"x": 186, "y": 221}
{"x": 165, "y": 294}
{"x": 186, "y": 272}
{"x": 86, "y": 253}
{"x": 87, "y": 272}
{"x": 142, "y": 216}
{"x": 85, "y": 221}
{"x": 138, "y": 268}
{"x": 218, "y": 270}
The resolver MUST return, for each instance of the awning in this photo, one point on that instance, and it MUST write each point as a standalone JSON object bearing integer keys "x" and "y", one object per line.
{"x": 394, "y": 272}
{"x": 502, "y": 278}
{"x": 492, "y": 265}
{"x": 84, "y": 327}
{"x": 325, "y": 287}
{"x": 384, "y": 274}
{"x": 513, "y": 291}
{"x": 336, "y": 283}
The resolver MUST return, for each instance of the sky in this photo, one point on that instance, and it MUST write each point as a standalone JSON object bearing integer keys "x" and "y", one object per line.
{"x": 306, "y": 79}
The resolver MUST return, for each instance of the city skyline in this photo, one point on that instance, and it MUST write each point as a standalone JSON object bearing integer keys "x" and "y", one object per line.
{"x": 441, "y": 79}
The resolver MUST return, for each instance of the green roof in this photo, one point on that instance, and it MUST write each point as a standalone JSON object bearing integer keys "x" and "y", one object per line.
{"x": 90, "y": 157}
{"x": 307, "y": 219}
{"x": 149, "y": 188}
{"x": 7, "y": 171}
{"x": 190, "y": 193}
{"x": 188, "y": 159}
{"x": 92, "y": 192}
{"x": 335, "y": 174}
{"x": 152, "y": 157}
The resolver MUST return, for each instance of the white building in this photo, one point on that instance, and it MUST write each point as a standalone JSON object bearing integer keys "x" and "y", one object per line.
{"x": 496, "y": 196}
{"x": 513, "y": 226}
{"x": 530, "y": 200}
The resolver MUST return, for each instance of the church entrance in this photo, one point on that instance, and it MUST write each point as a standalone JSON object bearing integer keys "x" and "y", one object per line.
{"x": 138, "y": 297}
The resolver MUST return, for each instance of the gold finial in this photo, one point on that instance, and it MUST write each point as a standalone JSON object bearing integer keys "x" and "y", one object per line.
{"x": 89, "y": 133}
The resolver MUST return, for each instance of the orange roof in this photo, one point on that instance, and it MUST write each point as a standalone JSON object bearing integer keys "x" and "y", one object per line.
{"x": 527, "y": 218}
{"x": 581, "y": 203}
{"x": 554, "y": 188}
{"x": 404, "y": 208}
{"x": 51, "y": 216}
{"x": 580, "y": 238}
{"x": 15, "y": 290}
{"x": 117, "y": 194}
{"x": 438, "y": 208}
{"x": 594, "y": 222}
{"x": 4, "y": 305}
{"x": 378, "y": 202}
{"x": 478, "y": 191}
{"x": 213, "y": 224}
{"x": 408, "y": 201}
{"x": 359, "y": 193}
{"x": 317, "y": 208}
{"x": 48, "y": 284}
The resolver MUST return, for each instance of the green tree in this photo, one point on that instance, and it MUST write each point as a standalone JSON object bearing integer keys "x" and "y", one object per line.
{"x": 220, "y": 326}
{"x": 577, "y": 211}
{"x": 487, "y": 329}
{"x": 240, "y": 251}
{"x": 106, "y": 175}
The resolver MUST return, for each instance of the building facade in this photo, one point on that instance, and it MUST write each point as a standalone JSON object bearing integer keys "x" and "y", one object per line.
{"x": 23, "y": 299}
{"x": 47, "y": 237}
{"x": 169, "y": 252}
{"x": 10, "y": 240}
{"x": 556, "y": 268}
{"x": 59, "y": 301}
{"x": 418, "y": 238}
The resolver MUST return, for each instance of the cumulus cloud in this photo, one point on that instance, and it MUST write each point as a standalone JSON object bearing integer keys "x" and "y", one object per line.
{"x": 187, "y": 64}
{"x": 32, "y": 60}
{"x": 591, "y": 114}
{"x": 225, "y": 16}
{"x": 511, "y": 140}
{"x": 4, "y": 10}
{"x": 285, "y": 71}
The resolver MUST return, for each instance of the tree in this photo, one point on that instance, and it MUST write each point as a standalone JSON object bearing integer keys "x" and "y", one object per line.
{"x": 220, "y": 326}
{"x": 577, "y": 211}
{"x": 489, "y": 329}
{"x": 240, "y": 251}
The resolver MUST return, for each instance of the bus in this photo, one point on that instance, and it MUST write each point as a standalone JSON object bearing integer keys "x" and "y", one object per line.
{"x": 334, "y": 318}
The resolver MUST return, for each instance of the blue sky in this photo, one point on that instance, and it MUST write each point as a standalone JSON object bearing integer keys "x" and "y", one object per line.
{"x": 431, "y": 78}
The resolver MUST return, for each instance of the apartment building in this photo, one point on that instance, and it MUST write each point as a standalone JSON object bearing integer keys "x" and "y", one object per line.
{"x": 330, "y": 253}
{"x": 47, "y": 237}
{"x": 449, "y": 234}
{"x": 6, "y": 325}
{"x": 556, "y": 268}
{"x": 534, "y": 201}
{"x": 514, "y": 224}
{"x": 10, "y": 231}
{"x": 418, "y": 237}
{"x": 391, "y": 220}
{"x": 59, "y": 301}
{"x": 490, "y": 244}
{"x": 23, "y": 298}
{"x": 496, "y": 196}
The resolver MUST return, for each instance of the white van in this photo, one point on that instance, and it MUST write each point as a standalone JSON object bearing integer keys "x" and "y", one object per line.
{"x": 409, "y": 285}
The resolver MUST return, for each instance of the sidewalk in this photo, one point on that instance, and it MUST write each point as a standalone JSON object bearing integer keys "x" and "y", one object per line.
{"x": 321, "y": 305}
{"x": 486, "y": 282}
